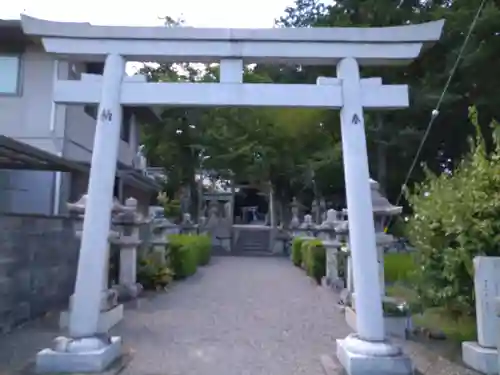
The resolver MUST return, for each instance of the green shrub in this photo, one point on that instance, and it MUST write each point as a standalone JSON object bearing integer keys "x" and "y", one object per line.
{"x": 171, "y": 206}
{"x": 152, "y": 275}
{"x": 182, "y": 258}
{"x": 204, "y": 246}
{"x": 456, "y": 217}
{"x": 398, "y": 267}
{"x": 314, "y": 259}
{"x": 297, "y": 251}
{"x": 201, "y": 245}
{"x": 187, "y": 252}
{"x": 304, "y": 252}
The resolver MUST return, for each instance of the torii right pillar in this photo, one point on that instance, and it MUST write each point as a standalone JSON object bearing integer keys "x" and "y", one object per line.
{"x": 368, "y": 351}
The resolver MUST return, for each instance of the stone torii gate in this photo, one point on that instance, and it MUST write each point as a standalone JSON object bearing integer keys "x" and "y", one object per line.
{"x": 368, "y": 351}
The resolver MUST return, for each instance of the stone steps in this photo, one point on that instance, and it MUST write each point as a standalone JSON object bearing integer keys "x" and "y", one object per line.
{"x": 253, "y": 241}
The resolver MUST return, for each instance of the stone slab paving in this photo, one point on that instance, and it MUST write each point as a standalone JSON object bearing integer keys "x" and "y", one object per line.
{"x": 238, "y": 316}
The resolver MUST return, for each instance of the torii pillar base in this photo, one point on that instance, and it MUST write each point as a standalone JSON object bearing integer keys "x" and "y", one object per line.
{"x": 359, "y": 357}
{"x": 85, "y": 355}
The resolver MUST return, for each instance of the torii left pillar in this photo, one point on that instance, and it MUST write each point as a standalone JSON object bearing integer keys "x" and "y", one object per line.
{"x": 87, "y": 350}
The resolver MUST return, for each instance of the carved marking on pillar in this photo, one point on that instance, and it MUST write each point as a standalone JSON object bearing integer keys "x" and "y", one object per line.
{"x": 106, "y": 115}
{"x": 355, "y": 119}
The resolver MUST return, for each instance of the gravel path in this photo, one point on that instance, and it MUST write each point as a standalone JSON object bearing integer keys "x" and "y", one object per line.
{"x": 237, "y": 316}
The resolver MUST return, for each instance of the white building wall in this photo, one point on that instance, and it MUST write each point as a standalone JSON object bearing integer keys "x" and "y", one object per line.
{"x": 32, "y": 118}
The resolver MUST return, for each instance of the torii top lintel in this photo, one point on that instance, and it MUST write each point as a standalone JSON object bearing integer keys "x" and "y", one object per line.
{"x": 318, "y": 46}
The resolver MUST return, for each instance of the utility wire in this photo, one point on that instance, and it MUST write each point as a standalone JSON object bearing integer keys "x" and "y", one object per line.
{"x": 435, "y": 111}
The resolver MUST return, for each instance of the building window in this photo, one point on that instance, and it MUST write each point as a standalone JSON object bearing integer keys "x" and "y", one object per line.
{"x": 92, "y": 68}
{"x": 91, "y": 110}
{"x": 126, "y": 125}
{"x": 9, "y": 74}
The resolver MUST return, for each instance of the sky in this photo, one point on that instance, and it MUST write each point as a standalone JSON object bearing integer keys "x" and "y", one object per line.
{"x": 197, "y": 13}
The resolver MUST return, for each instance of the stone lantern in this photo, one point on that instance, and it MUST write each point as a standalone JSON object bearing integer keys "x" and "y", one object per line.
{"x": 306, "y": 229}
{"x": 383, "y": 210}
{"x": 129, "y": 241}
{"x": 295, "y": 223}
{"x": 332, "y": 246}
{"x": 111, "y": 312}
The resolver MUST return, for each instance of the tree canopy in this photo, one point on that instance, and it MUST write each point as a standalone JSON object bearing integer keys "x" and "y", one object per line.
{"x": 298, "y": 150}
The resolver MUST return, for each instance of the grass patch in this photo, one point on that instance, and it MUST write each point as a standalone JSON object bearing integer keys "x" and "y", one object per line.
{"x": 435, "y": 319}
{"x": 457, "y": 329}
{"x": 398, "y": 267}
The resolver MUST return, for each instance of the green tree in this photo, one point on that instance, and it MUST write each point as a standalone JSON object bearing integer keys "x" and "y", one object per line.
{"x": 393, "y": 137}
{"x": 456, "y": 217}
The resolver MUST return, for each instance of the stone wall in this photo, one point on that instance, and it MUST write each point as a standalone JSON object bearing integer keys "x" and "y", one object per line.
{"x": 38, "y": 259}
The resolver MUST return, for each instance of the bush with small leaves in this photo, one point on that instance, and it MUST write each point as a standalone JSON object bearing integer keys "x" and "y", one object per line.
{"x": 456, "y": 216}
{"x": 152, "y": 275}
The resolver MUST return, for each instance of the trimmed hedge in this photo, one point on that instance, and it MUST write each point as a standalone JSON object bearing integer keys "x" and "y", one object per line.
{"x": 187, "y": 252}
{"x": 314, "y": 257}
{"x": 204, "y": 248}
{"x": 201, "y": 245}
{"x": 297, "y": 251}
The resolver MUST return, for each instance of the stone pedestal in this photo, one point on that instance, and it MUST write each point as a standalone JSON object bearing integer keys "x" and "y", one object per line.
{"x": 128, "y": 242}
{"x": 332, "y": 271}
{"x": 483, "y": 355}
{"x": 225, "y": 243}
{"x": 360, "y": 357}
{"x": 159, "y": 245}
{"x": 128, "y": 266}
{"x": 85, "y": 355}
{"x": 383, "y": 240}
{"x": 128, "y": 285}
{"x": 479, "y": 358}
{"x": 161, "y": 229}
